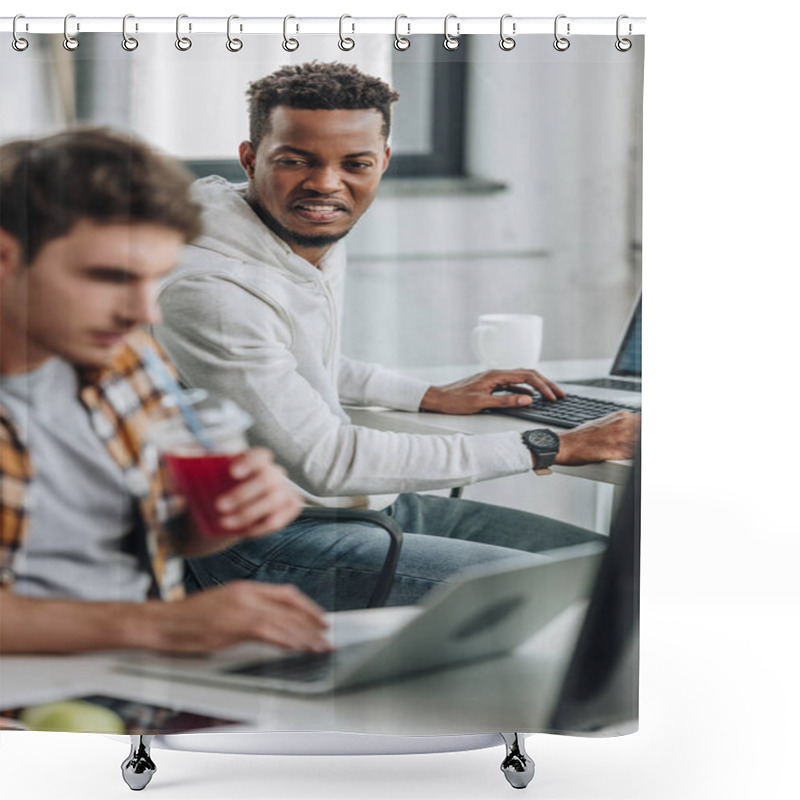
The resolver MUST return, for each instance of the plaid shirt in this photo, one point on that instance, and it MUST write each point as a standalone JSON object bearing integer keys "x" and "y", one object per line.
{"x": 122, "y": 400}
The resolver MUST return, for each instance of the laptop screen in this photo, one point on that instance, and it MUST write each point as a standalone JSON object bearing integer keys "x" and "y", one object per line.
{"x": 629, "y": 356}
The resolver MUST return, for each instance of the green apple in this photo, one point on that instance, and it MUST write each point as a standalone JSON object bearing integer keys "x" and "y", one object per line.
{"x": 74, "y": 716}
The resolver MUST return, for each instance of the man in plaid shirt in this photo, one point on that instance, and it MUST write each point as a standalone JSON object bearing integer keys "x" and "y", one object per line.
{"x": 91, "y": 541}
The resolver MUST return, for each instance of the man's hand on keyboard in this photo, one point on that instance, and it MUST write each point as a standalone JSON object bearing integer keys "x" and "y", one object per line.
{"x": 474, "y": 394}
{"x": 240, "y": 611}
{"x": 603, "y": 439}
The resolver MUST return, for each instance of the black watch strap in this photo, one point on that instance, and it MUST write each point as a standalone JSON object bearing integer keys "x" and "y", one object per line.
{"x": 544, "y": 444}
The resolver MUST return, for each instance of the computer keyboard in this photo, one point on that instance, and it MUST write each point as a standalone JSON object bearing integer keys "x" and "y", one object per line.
{"x": 305, "y": 667}
{"x": 608, "y": 383}
{"x": 566, "y": 412}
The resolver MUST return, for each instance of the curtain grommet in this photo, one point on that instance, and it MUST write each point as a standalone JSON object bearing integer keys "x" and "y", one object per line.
{"x": 289, "y": 44}
{"x": 451, "y": 42}
{"x": 70, "y": 42}
{"x": 401, "y": 43}
{"x": 346, "y": 43}
{"x": 561, "y": 43}
{"x": 183, "y": 43}
{"x": 234, "y": 45}
{"x": 507, "y": 42}
{"x": 18, "y": 43}
{"x": 129, "y": 43}
{"x": 622, "y": 44}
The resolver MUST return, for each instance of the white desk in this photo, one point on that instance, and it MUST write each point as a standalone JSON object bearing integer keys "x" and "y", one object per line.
{"x": 613, "y": 472}
{"x": 514, "y": 692}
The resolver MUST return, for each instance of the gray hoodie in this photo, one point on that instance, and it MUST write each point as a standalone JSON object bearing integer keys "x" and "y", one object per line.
{"x": 246, "y": 317}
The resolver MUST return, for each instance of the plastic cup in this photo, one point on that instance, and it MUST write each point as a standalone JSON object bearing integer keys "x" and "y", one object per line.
{"x": 199, "y": 456}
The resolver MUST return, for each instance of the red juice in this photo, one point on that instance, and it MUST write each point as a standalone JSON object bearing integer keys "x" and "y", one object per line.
{"x": 201, "y": 479}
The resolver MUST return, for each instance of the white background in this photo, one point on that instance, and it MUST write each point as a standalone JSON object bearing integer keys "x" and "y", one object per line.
{"x": 720, "y": 536}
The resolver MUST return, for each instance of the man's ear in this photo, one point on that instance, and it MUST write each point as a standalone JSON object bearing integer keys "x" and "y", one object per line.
{"x": 387, "y": 155}
{"x": 10, "y": 254}
{"x": 247, "y": 158}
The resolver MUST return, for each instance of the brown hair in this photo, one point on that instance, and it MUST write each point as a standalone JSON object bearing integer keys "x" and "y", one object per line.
{"x": 47, "y": 185}
{"x": 317, "y": 86}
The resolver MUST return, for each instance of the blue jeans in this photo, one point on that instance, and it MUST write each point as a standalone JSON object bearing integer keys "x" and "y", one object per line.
{"x": 337, "y": 563}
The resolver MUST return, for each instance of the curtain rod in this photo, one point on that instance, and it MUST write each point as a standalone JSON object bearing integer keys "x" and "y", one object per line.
{"x": 349, "y": 25}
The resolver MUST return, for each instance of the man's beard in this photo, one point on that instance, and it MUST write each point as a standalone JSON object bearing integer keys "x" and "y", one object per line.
{"x": 292, "y": 237}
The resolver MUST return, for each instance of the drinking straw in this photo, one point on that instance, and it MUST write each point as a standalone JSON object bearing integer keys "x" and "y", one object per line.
{"x": 190, "y": 417}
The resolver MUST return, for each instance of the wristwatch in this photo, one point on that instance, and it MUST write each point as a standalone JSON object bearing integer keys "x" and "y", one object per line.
{"x": 544, "y": 444}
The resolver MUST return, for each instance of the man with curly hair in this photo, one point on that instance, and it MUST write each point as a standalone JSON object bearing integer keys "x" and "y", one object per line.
{"x": 254, "y": 310}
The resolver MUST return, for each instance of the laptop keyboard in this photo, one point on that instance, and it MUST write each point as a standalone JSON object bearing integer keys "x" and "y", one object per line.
{"x": 609, "y": 383}
{"x": 566, "y": 412}
{"x": 305, "y": 667}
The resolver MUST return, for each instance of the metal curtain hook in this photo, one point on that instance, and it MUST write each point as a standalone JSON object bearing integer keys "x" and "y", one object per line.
{"x": 289, "y": 44}
{"x": 561, "y": 43}
{"x": 401, "y": 42}
{"x": 507, "y": 42}
{"x": 128, "y": 42}
{"x": 234, "y": 45}
{"x": 451, "y": 42}
{"x": 623, "y": 45}
{"x": 70, "y": 42}
{"x": 182, "y": 42}
{"x": 345, "y": 42}
{"x": 18, "y": 43}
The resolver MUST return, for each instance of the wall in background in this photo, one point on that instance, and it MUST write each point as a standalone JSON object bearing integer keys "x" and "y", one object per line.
{"x": 562, "y": 240}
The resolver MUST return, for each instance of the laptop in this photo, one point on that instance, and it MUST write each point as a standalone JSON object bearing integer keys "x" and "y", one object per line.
{"x": 594, "y": 397}
{"x": 482, "y": 614}
{"x": 624, "y": 382}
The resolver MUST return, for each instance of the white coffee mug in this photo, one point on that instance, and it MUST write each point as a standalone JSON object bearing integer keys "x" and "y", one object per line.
{"x": 508, "y": 341}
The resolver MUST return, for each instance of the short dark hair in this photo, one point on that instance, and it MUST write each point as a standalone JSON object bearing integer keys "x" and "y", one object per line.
{"x": 50, "y": 184}
{"x": 317, "y": 86}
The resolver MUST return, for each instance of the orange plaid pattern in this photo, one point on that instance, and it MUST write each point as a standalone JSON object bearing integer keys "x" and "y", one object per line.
{"x": 123, "y": 400}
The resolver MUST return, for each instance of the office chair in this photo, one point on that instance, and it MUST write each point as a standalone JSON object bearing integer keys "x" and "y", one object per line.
{"x": 386, "y": 575}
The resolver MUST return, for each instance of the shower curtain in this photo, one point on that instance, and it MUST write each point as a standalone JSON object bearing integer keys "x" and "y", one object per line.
{"x": 514, "y": 188}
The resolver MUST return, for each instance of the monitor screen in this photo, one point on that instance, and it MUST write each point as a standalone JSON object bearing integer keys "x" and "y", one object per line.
{"x": 601, "y": 685}
{"x": 629, "y": 356}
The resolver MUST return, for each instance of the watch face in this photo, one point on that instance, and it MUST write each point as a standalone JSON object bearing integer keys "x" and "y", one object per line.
{"x": 542, "y": 439}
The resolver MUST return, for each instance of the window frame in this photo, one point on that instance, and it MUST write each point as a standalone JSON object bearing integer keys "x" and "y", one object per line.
{"x": 446, "y": 158}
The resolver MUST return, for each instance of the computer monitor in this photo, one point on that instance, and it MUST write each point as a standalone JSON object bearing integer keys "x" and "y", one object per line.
{"x": 601, "y": 686}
